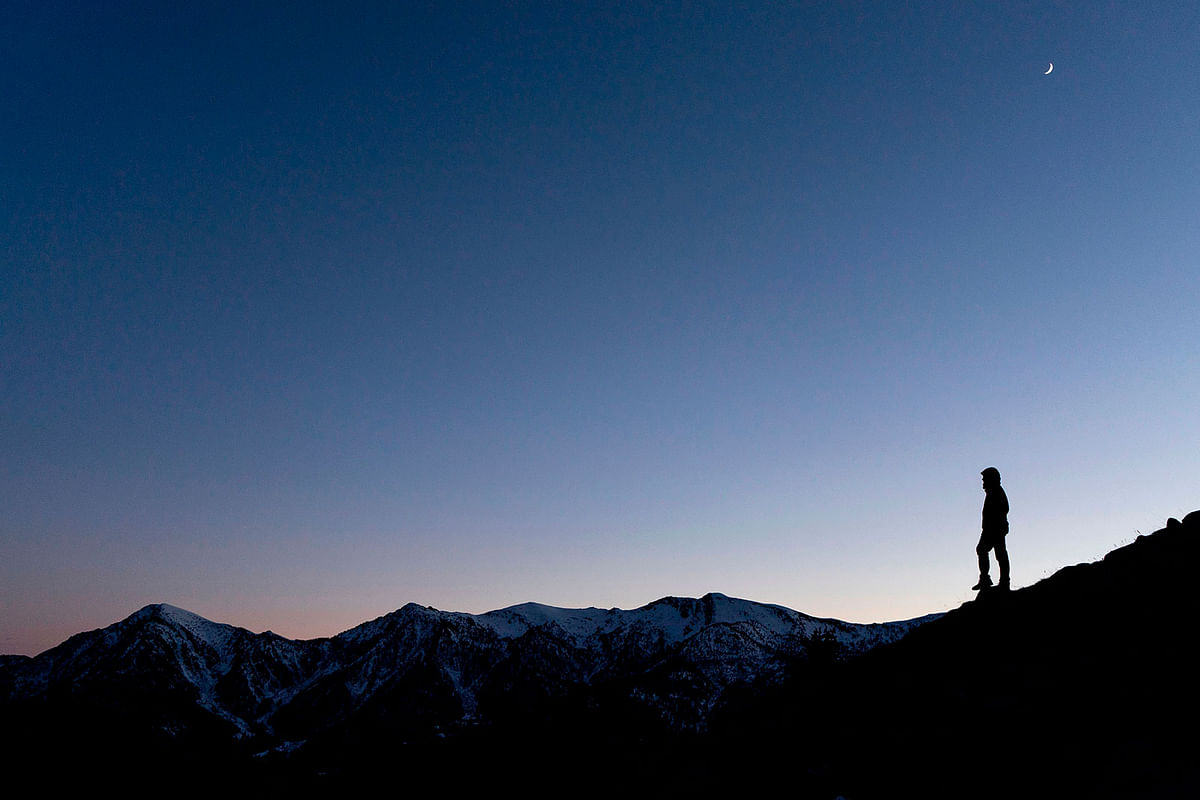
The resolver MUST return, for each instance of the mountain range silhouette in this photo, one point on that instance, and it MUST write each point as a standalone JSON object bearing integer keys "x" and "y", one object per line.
{"x": 1079, "y": 685}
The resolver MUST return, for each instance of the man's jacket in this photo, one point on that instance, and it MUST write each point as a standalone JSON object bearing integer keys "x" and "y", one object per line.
{"x": 995, "y": 511}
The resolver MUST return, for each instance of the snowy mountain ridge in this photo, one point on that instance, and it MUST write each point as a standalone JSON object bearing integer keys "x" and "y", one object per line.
{"x": 431, "y": 670}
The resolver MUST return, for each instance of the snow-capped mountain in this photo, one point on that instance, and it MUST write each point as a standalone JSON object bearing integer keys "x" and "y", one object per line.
{"x": 238, "y": 676}
{"x": 425, "y": 670}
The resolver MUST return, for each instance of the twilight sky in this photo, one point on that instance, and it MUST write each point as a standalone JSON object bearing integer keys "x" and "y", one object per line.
{"x": 308, "y": 311}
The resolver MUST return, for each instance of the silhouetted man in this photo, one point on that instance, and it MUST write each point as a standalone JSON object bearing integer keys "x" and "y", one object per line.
{"x": 995, "y": 528}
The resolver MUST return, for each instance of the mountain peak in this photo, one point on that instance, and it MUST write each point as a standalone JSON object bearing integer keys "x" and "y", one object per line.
{"x": 215, "y": 634}
{"x": 164, "y": 611}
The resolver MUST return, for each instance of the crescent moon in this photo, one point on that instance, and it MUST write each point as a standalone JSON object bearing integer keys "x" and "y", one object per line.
{"x": 1047, "y": 72}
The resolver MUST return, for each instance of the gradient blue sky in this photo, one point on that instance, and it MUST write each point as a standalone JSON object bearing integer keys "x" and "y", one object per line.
{"x": 308, "y": 311}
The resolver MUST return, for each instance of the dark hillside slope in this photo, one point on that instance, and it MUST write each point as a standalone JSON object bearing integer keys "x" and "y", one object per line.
{"x": 1083, "y": 685}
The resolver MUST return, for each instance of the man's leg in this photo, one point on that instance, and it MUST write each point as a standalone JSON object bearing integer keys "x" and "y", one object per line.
{"x": 1002, "y": 560}
{"x": 981, "y": 550}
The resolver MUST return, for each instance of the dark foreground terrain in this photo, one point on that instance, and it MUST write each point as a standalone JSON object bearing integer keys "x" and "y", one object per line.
{"x": 1083, "y": 685}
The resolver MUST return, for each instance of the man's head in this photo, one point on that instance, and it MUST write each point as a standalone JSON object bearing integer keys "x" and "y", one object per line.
{"x": 991, "y": 477}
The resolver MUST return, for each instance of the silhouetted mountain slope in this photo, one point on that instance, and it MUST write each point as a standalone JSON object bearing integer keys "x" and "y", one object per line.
{"x": 1082, "y": 685}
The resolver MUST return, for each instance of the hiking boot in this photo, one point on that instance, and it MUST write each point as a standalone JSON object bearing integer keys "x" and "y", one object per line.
{"x": 984, "y": 582}
{"x": 1002, "y": 585}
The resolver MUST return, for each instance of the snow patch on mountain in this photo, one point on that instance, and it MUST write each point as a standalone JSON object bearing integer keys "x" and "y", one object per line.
{"x": 216, "y": 635}
{"x": 675, "y": 619}
{"x": 579, "y": 623}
